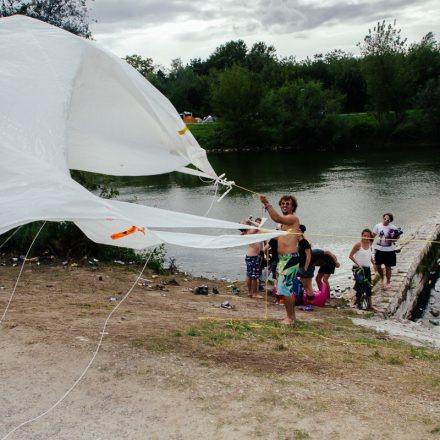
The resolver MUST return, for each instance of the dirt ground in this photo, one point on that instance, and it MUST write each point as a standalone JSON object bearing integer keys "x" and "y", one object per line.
{"x": 174, "y": 365}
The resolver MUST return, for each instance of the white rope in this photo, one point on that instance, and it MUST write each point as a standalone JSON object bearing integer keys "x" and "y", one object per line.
{"x": 16, "y": 230}
{"x": 213, "y": 199}
{"x": 19, "y": 274}
{"x": 103, "y": 332}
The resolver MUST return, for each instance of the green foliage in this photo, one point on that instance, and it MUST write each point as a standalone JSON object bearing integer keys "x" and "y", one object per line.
{"x": 256, "y": 96}
{"x": 236, "y": 95}
{"x": 301, "y": 113}
{"x": 207, "y": 135}
{"x": 143, "y": 65}
{"x": 385, "y": 69}
{"x": 71, "y": 15}
{"x": 429, "y": 100}
{"x": 384, "y": 39}
{"x": 65, "y": 240}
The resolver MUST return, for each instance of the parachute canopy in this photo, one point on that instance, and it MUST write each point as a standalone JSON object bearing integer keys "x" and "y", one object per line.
{"x": 67, "y": 104}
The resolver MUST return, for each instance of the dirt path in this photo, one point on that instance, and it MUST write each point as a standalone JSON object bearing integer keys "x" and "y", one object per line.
{"x": 176, "y": 366}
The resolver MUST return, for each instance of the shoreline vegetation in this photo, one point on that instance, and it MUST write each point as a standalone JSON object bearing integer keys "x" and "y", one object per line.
{"x": 387, "y": 95}
{"x": 209, "y": 138}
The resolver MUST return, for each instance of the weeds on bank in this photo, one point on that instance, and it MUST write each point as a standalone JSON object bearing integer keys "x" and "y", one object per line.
{"x": 157, "y": 345}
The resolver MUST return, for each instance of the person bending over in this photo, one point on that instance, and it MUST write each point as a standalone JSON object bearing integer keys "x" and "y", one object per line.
{"x": 327, "y": 263}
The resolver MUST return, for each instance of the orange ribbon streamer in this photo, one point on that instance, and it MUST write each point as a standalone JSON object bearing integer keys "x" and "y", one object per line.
{"x": 122, "y": 234}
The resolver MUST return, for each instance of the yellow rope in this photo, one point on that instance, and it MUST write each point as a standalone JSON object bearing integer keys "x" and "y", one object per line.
{"x": 338, "y": 235}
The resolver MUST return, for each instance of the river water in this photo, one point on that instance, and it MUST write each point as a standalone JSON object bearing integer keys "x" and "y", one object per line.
{"x": 339, "y": 193}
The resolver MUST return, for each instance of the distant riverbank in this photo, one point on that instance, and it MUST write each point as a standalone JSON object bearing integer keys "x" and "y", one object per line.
{"x": 354, "y": 130}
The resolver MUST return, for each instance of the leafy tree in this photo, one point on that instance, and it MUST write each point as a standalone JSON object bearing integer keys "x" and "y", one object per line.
{"x": 143, "y": 65}
{"x": 429, "y": 100}
{"x": 423, "y": 61}
{"x": 346, "y": 76}
{"x": 301, "y": 113}
{"x": 260, "y": 56}
{"x": 384, "y": 68}
{"x": 236, "y": 95}
{"x": 226, "y": 55}
{"x": 71, "y": 15}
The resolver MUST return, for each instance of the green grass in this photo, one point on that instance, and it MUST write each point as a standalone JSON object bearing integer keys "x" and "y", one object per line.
{"x": 424, "y": 354}
{"x": 207, "y": 135}
{"x": 156, "y": 345}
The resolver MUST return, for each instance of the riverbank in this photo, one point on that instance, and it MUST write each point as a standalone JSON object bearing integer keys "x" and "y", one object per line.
{"x": 176, "y": 365}
{"x": 355, "y": 131}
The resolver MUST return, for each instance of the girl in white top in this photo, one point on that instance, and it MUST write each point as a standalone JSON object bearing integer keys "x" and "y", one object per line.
{"x": 362, "y": 256}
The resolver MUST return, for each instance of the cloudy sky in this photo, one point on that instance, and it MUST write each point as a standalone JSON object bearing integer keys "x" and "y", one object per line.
{"x": 167, "y": 29}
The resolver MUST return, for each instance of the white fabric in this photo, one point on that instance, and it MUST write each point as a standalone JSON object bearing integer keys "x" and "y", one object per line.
{"x": 66, "y": 103}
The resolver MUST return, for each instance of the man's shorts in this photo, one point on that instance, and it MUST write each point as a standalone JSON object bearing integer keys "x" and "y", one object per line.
{"x": 287, "y": 269}
{"x": 309, "y": 273}
{"x": 328, "y": 268}
{"x": 252, "y": 267}
{"x": 388, "y": 259}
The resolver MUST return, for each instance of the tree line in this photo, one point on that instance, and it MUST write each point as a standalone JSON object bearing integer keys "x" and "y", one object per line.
{"x": 262, "y": 99}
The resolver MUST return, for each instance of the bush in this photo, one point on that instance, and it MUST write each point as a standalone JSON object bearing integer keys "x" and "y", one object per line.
{"x": 65, "y": 240}
{"x": 207, "y": 135}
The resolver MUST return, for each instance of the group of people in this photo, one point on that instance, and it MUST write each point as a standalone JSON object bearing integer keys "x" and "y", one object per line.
{"x": 291, "y": 256}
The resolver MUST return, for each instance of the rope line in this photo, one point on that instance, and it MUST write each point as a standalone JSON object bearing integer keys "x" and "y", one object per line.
{"x": 340, "y": 235}
{"x": 103, "y": 333}
{"x": 19, "y": 274}
{"x": 216, "y": 185}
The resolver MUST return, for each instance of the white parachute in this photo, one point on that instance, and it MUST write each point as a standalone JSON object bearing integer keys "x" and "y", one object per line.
{"x": 66, "y": 103}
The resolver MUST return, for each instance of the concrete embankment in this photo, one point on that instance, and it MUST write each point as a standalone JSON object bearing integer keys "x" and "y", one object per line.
{"x": 411, "y": 273}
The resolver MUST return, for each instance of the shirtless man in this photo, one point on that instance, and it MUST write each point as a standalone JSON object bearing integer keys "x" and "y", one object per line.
{"x": 288, "y": 263}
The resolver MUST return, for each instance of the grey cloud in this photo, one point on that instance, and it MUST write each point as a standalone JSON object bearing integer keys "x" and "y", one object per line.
{"x": 241, "y": 17}
{"x": 116, "y": 15}
{"x": 285, "y": 16}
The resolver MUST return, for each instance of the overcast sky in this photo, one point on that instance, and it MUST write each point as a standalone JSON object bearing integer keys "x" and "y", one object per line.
{"x": 167, "y": 29}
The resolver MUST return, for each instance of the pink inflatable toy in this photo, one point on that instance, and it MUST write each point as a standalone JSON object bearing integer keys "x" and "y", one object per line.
{"x": 321, "y": 296}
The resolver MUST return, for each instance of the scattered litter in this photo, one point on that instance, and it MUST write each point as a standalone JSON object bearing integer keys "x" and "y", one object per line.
{"x": 101, "y": 278}
{"x": 146, "y": 280}
{"x": 115, "y": 298}
{"x": 118, "y": 262}
{"x": 65, "y": 263}
{"x": 2, "y": 287}
{"x": 188, "y": 289}
{"x": 434, "y": 321}
{"x": 227, "y": 305}
{"x": 235, "y": 290}
{"x": 74, "y": 265}
{"x": 154, "y": 276}
{"x": 185, "y": 279}
{"x": 14, "y": 259}
{"x": 201, "y": 290}
{"x": 215, "y": 291}
{"x": 172, "y": 282}
{"x": 81, "y": 338}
